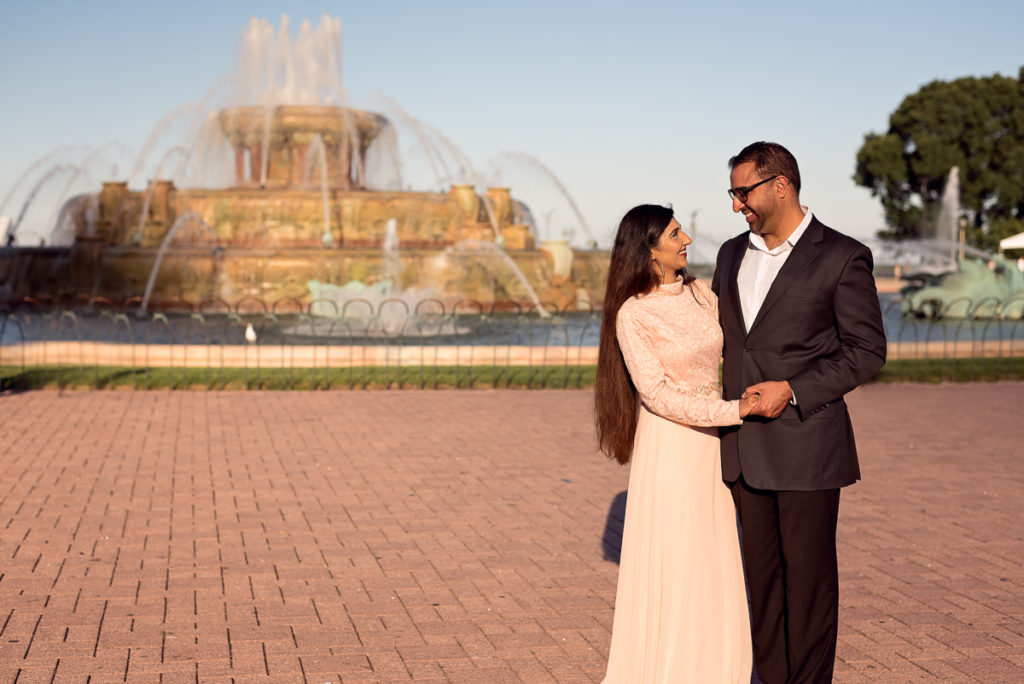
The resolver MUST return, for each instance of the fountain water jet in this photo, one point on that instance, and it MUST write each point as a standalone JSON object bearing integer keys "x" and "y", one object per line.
{"x": 949, "y": 212}
{"x": 35, "y": 166}
{"x": 46, "y": 178}
{"x": 137, "y": 239}
{"x": 539, "y": 165}
{"x": 188, "y": 109}
{"x": 486, "y": 247}
{"x": 425, "y": 133}
{"x": 392, "y": 262}
{"x": 430, "y": 151}
{"x": 184, "y": 219}
{"x": 60, "y": 208}
{"x": 318, "y": 152}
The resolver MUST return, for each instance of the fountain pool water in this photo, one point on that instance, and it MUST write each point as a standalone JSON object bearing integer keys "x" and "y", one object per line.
{"x": 386, "y": 307}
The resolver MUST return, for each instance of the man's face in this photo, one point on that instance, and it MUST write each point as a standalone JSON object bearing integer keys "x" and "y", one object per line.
{"x": 760, "y": 203}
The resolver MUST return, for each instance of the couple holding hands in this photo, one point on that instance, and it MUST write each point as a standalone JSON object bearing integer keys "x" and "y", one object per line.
{"x": 793, "y": 317}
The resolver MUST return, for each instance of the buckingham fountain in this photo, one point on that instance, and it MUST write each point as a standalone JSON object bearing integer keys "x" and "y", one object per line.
{"x": 953, "y": 280}
{"x": 300, "y": 221}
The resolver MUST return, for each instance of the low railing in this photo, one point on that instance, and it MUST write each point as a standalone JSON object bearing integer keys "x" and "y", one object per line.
{"x": 287, "y": 344}
{"x": 983, "y": 341}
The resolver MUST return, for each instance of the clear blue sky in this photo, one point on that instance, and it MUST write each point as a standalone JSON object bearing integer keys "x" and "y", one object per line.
{"x": 625, "y": 103}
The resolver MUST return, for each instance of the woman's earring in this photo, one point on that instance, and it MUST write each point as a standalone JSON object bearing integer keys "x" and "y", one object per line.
{"x": 660, "y": 268}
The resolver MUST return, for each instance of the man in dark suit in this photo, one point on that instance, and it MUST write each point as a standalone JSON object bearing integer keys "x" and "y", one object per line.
{"x": 803, "y": 327}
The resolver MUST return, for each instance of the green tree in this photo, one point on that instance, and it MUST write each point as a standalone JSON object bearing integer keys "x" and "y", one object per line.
{"x": 974, "y": 123}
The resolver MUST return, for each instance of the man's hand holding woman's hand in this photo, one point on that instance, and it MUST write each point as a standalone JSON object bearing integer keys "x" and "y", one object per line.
{"x": 748, "y": 403}
{"x": 772, "y": 398}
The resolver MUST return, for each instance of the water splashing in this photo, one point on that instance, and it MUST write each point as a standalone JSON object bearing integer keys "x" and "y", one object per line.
{"x": 47, "y": 158}
{"x": 189, "y": 109}
{"x": 485, "y": 247}
{"x": 948, "y": 224}
{"x": 137, "y": 238}
{"x": 274, "y": 70}
{"x": 317, "y": 152}
{"x": 189, "y": 218}
{"x": 392, "y": 262}
{"x": 55, "y": 172}
{"x": 540, "y": 166}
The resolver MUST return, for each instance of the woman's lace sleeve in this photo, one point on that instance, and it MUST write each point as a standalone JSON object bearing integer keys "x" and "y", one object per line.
{"x": 707, "y": 295}
{"x": 683, "y": 405}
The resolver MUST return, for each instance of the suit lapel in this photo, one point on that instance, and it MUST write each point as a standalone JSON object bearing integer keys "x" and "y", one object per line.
{"x": 804, "y": 252}
{"x": 732, "y": 294}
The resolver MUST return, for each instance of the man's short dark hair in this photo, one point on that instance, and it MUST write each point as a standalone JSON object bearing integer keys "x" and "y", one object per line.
{"x": 769, "y": 159}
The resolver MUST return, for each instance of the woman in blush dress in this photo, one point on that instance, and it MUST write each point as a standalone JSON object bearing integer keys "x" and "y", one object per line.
{"x": 681, "y": 607}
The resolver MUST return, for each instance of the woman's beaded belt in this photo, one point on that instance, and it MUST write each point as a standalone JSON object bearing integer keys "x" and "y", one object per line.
{"x": 699, "y": 390}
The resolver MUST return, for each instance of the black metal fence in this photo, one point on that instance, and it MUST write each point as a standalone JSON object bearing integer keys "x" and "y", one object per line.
{"x": 396, "y": 343}
{"x": 289, "y": 344}
{"x": 962, "y": 339}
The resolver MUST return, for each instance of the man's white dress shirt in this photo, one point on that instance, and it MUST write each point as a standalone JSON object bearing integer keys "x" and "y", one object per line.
{"x": 759, "y": 268}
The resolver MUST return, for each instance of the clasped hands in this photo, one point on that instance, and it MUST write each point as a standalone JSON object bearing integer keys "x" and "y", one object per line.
{"x": 766, "y": 399}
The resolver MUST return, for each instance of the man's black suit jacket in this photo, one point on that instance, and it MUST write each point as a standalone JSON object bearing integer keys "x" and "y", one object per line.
{"x": 820, "y": 328}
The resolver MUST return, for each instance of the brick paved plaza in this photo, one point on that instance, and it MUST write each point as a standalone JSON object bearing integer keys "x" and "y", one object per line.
{"x": 464, "y": 536}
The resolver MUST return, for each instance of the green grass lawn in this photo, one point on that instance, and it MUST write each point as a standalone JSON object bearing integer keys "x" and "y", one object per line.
{"x": 372, "y": 377}
{"x": 427, "y": 377}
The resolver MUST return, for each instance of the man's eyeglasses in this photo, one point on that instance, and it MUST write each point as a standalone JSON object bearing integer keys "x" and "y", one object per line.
{"x": 741, "y": 193}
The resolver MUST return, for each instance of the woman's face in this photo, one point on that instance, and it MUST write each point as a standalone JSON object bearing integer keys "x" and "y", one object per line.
{"x": 671, "y": 251}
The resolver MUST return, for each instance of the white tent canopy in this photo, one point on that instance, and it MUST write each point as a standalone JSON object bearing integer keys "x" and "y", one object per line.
{"x": 1012, "y": 242}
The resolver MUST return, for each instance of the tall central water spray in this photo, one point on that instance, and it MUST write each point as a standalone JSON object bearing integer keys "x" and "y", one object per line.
{"x": 317, "y": 153}
{"x": 949, "y": 213}
{"x": 273, "y": 70}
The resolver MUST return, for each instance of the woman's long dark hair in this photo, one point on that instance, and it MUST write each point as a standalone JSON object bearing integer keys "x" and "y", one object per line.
{"x": 630, "y": 273}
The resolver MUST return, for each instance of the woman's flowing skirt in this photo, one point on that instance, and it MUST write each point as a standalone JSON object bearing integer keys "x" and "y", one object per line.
{"x": 681, "y": 607}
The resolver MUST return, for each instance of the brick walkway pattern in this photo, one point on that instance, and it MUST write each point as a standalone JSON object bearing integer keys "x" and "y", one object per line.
{"x": 449, "y": 536}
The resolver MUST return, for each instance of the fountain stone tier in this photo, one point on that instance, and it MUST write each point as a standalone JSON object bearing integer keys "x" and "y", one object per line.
{"x": 299, "y": 211}
{"x": 285, "y": 134}
{"x": 250, "y": 217}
